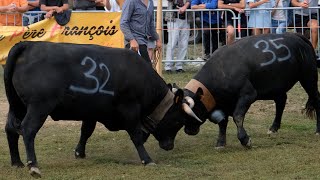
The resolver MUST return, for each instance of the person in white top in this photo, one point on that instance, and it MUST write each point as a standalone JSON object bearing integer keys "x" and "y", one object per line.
{"x": 306, "y": 18}
{"x": 279, "y": 19}
{"x": 113, "y": 6}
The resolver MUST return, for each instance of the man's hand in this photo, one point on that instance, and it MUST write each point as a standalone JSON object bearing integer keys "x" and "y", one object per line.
{"x": 304, "y": 4}
{"x": 59, "y": 10}
{"x": 49, "y": 14}
{"x": 134, "y": 45}
{"x": 158, "y": 44}
{"x": 11, "y": 8}
{"x": 182, "y": 9}
{"x": 239, "y": 10}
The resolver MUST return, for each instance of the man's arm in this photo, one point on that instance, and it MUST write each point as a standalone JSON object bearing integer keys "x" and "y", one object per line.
{"x": 258, "y": 3}
{"x": 22, "y": 9}
{"x": 100, "y": 2}
{"x": 57, "y": 9}
{"x": 125, "y": 20}
{"x": 6, "y": 8}
{"x": 33, "y": 4}
{"x": 108, "y": 4}
{"x": 196, "y": 4}
{"x": 296, "y": 3}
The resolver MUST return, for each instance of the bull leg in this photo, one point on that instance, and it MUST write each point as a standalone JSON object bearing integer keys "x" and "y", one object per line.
{"x": 131, "y": 114}
{"x": 280, "y": 105}
{"x": 309, "y": 82}
{"x": 87, "y": 129}
{"x": 221, "y": 143}
{"x": 137, "y": 139}
{"x": 33, "y": 121}
{"x": 247, "y": 96}
{"x": 13, "y": 139}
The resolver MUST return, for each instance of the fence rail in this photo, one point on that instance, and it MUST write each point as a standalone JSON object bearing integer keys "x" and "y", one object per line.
{"x": 195, "y": 50}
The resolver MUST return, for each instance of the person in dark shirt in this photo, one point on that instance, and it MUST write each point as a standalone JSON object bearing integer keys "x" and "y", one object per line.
{"x": 53, "y": 6}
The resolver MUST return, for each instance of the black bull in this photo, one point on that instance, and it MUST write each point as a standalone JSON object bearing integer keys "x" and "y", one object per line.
{"x": 261, "y": 67}
{"x": 89, "y": 83}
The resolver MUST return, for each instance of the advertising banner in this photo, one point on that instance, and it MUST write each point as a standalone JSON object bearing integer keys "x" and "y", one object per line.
{"x": 101, "y": 28}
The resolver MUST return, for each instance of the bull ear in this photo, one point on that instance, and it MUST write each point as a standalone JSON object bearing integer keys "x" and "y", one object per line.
{"x": 178, "y": 97}
{"x": 175, "y": 86}
{"x": 199, "y": 93}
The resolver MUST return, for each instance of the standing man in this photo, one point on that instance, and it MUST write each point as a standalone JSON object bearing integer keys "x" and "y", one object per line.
{"x": 12, "y": 6}
{"x": 211, "y": 22}
{"x": 178, "y": 33}
{"x": 137, "y": 25}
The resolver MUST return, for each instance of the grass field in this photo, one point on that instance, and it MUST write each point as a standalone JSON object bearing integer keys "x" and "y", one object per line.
{"x": 292, "y": 153}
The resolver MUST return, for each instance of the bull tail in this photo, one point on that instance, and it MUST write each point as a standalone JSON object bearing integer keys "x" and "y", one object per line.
{"x": 17, "y": 109}
{"x": 310, "y": 109}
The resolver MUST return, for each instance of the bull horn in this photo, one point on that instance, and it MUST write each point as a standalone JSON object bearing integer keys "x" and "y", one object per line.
{"x": 174, "y": 90}
{"x": 189, "y": 111}
{"x": 190, "y": 101}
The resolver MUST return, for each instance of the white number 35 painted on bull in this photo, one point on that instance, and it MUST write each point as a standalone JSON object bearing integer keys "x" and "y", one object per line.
{"x": 277, "y": 46}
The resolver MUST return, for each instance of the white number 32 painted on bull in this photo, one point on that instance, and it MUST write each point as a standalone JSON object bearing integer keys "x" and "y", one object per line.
{"x": 277, "y": 46}
{"x": 89, "y": 74}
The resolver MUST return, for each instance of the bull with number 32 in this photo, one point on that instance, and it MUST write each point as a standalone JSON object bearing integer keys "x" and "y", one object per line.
{"x": 91, "y": 83}
{"x": 263, "y": 67}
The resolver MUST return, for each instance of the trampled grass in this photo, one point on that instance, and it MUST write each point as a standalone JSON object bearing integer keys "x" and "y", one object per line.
{"x": 292, "y": 153}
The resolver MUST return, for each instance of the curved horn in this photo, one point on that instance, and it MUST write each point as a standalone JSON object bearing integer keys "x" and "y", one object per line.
{"x": 189, "y": 111}
{"x": 190, "y": 101}
{"x": 174, "y": 90}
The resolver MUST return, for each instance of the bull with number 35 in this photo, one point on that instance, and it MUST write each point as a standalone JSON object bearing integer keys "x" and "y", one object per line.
{"x": 263, "y": 67}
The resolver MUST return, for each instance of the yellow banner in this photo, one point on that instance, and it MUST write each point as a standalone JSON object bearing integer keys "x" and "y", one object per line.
{"x": 102, "y": 28}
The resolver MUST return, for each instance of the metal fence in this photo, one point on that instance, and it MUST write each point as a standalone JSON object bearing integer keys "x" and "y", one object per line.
{"x": 196, "y": 40}
{"x": 195, "y": 52}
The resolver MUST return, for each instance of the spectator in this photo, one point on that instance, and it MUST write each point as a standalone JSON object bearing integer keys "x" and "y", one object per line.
{"x": 12, "y": 6}
{"x": 137, "y": 25}
{"x": 237, "y": 6}
{"x": 259, "y": 20}
{"x": 100, "y": 5}
{"x": 211, "y": 22}
{"x": 84, "y": 5}
{"x": 113, "y": 5}
{"x": 53, "y": 6}
{"x": 307, "y": 18}
{"x": 30, "y": 18}
{"x": 178, "y": 33}
{"x": 279, "y": 17}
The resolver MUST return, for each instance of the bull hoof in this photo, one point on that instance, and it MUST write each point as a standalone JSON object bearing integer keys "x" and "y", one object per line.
{"x": 151, "y": 164}
{"x": 18, "y": 164}
{"x": 79, "y": 155}
{"x": 270, "y": 132}
{"x": 35, "y": 172}
{"x": 248, "y": 144}
{"x": 219, "y": 147}
{"x": 317, "y": 133}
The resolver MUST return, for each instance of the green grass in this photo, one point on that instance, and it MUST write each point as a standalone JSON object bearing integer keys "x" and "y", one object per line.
{"x": 292, "y": 153}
